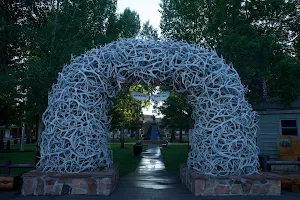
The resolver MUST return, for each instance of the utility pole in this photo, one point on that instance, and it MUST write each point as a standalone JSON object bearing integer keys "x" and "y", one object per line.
{"x": 22, "y": 138}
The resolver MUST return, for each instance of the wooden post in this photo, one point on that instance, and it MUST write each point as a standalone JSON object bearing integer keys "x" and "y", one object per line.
{"x": 6, "y": 168}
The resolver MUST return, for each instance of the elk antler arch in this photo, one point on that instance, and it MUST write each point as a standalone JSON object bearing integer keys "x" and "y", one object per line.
{"x": 77, "y": 125}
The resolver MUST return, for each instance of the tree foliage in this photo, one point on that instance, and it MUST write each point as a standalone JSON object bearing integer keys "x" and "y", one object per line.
{"x": 127, "y": 111}
{"x": 129, "y": 23}
{"x": 260, "y": 38}
{"x": 148, "y": 32}
{"x": 177, "y": 112}
{"x": 41, "y": 36}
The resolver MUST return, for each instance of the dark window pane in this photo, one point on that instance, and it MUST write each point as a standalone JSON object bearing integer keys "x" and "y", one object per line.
{"x": 288, "y": 123}
{"x": 289, "y": 131}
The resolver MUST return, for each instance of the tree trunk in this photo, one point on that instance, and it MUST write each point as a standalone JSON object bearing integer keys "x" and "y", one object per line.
{"x": 55, "y": 26}
{"x": 173, "y": 137}
{"x": 137, "y": 130}
{"x": 122, "y": 138}
{"x": 40, "y": 130}
{"x": 22, "y": 138}
{"x": 180, "y": 136}
{"x": 131, "y": 132}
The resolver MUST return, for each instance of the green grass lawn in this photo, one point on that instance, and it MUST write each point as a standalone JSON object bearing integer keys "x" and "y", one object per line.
{"x": 27, "y": 147}
{"x": 173, "y": 156}
{"x": 124, "y": 157}
{"x": 126, "y": 140}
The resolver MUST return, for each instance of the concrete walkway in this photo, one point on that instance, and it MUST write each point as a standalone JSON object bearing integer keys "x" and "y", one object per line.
{"x": 150, "y": 181}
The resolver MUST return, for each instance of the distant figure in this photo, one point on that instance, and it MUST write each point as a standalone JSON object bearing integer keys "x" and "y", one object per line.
{"x": 153, "y": 118}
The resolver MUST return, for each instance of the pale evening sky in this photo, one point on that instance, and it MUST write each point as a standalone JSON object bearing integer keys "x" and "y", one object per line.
{"x": 147, "y": 9}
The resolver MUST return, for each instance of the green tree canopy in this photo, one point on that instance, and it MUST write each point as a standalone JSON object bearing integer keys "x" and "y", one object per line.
{"x": 148, "y": 32}
{"x": 62, "y": 29}
{"x": 256, "y": 36}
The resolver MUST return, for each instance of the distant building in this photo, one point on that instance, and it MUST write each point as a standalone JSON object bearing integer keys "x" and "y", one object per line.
{"x": 275, "y": 120}
{"x": 10, "y": 132}
{"x": 148, "y": 118}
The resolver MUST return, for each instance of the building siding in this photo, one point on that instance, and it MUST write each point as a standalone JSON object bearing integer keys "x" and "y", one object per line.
{"x": 270, "y": 129}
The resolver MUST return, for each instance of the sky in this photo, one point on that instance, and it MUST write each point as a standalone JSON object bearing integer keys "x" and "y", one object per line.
{"x": 148, "y": 10}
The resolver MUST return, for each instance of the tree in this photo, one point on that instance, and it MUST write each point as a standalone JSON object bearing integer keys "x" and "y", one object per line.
{"x": 177, "y": 114}
{"x": 16, "y": 17}
{"x": 256, "y": 36}
{"x": 126, "y": 111}
{"x": 148, "y": 32}
{"x": 129, "y": 24}
{"x": 66, "y": 28}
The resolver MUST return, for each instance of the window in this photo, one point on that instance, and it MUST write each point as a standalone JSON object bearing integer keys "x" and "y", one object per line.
{"x": 289, "y": 127}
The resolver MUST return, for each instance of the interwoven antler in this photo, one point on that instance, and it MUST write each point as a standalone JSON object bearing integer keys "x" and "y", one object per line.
{"x": 77, "y": 126}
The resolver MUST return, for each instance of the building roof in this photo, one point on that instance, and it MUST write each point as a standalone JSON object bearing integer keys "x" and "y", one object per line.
{"x": 10, "y": 126}
{"x": 276, "y": 104}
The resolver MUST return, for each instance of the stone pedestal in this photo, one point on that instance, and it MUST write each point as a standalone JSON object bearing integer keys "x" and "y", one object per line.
{"x": 84, "y": 183}
{"x": 206, "y": 185}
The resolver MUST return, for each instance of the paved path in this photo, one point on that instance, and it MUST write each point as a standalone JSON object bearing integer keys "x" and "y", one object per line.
{"x": 150, "y": 181}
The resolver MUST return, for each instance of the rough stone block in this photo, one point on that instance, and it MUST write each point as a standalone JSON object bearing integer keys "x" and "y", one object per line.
{"x": 78, "y": 191}
{"x": 232, "y": 185}
{"x": 57, "y": 189}
{"x": 49, "y": 190}
{"x": 105, "y": 181}
{"x": 209, "y": 187}
{"x": 50, "y": 181}
{"x": 29, "y": 186}
{"x": 40, "y": 186}
{"x": 223, "y": 182}
{"x": 198, "y": 188}
{"x": 55, "y": 183}
{"x": 66, "y": 190}
{"x": 236, "y": 189}
{"x": 275, "y": 187}
{"x": 222, "y": 190}
{"x": 64, "y": 180}
{"x": 79, "y": 183}
{"x": 104, "y": 191}
{"x": 246, "y": 187}
{"x": 260, "y": 189}
{"x": 92, "y": 187}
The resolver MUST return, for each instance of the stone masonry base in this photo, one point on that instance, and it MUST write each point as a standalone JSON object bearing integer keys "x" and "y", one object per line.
{"x": 205, "y": 185}
{"x": 86, "y": 183}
